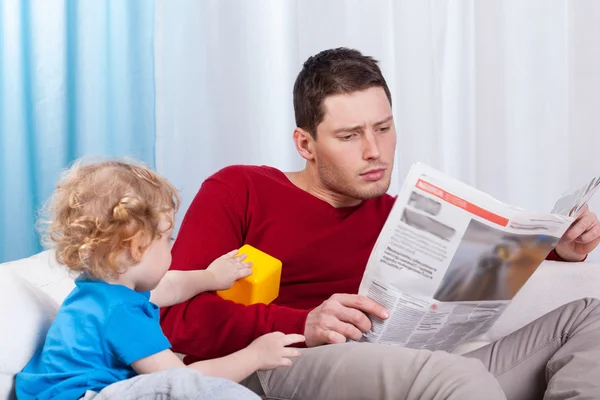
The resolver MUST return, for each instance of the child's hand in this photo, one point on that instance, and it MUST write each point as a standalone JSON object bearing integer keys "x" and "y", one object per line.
{"x": 227, "y": 269}
{"x": 271, "y": 350}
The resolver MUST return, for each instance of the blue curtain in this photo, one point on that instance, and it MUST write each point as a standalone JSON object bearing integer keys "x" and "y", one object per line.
{"x": 76, "y": 78}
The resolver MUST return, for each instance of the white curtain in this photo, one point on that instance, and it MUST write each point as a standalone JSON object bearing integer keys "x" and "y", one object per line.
{"x": 504, "y": 95}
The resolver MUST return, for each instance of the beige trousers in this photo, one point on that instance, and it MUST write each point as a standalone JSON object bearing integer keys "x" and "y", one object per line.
{"x": 555, "y": 357}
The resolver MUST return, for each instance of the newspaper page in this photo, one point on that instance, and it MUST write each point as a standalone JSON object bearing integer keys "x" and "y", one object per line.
{"x": 450, "y": 258}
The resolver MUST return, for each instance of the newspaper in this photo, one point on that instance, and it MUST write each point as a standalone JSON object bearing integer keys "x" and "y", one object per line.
{"x": 450, "y": 258}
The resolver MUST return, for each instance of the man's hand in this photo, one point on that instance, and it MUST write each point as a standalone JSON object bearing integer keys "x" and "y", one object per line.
{"x": 582, "y": 237}
{"x": 341, "y": 317}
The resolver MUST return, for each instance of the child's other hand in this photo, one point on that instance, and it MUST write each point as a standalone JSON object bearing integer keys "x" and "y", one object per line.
{"x": 271, "y": 350}
{"x": 228, "y": 268}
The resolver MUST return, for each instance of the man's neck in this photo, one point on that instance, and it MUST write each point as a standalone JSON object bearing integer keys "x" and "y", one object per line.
{"x": 309, "y": 181}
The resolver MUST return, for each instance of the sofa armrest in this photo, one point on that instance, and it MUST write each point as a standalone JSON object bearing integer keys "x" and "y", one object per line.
{"x": 551, "y": 286}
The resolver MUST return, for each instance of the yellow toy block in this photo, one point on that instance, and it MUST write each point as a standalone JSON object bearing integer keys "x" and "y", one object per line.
{"x": 260, "y": 287}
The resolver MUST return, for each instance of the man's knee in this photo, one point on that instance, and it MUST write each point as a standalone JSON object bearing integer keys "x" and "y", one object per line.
{"x": 589, "y": 302}
{"x": 456, "y": 376}
{"x": 457, "y": 365}
{"x": 586, "y": 305}
{"x": 464, "y": 367}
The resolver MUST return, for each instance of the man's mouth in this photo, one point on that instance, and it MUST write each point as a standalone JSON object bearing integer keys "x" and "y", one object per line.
{"x": 374, "y": 174}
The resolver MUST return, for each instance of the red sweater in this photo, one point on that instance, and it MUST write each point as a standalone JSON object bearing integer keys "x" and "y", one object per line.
{"x": 324, "y": 250}
{"x": 322, "y": 254}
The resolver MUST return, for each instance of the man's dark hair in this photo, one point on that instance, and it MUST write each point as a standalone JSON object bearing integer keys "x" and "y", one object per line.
{"x": 331, "y": 72}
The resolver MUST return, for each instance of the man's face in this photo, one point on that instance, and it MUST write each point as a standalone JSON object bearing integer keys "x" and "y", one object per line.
{"x": 355, "y": 146}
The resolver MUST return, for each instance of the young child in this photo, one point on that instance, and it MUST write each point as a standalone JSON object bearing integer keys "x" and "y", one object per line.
{"x": 111, "y": 223}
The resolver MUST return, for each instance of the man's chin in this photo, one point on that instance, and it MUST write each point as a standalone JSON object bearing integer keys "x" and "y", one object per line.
{"x": 377, "y": 189}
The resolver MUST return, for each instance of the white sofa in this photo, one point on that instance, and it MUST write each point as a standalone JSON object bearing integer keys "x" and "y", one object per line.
{"x": 31, "y": 290}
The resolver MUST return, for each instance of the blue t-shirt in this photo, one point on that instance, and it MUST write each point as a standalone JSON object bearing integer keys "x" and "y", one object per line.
{"x": 98, "y": 332}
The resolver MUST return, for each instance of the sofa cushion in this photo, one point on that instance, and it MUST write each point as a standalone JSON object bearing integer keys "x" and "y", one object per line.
{"x": 43, "y": 272}
{"x": 26, "y": 313}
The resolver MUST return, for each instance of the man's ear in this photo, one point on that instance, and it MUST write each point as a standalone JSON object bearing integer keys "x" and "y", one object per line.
{"x": 305, "y": 144}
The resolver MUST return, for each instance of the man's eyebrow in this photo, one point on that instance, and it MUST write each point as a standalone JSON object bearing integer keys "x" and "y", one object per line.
{"x": 383, "y": 121}
{"x": 356, "y": 128}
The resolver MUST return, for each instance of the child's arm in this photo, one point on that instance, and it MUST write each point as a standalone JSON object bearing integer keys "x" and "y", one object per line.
{"x": 178, "y": 286}
{"x": 267, "y": 352}
{"x": 235, "y": 367}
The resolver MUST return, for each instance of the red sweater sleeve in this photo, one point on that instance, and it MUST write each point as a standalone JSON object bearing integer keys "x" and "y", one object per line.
{"x": 207, "y": 326}
{"x": 553, "y": 256}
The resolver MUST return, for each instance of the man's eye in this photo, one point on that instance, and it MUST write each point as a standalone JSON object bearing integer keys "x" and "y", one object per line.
{"x": 384, "y": 129}
{"x": 348, "y": 137}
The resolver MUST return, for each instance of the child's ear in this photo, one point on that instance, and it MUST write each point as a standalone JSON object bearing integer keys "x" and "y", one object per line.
{"x": 136, "y": 247}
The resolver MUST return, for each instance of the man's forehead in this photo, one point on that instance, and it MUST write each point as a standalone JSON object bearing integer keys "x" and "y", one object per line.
{"x": 359, "y": 108}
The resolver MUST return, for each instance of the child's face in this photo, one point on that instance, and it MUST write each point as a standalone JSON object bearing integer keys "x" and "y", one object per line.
{"x": 156, "y": 259}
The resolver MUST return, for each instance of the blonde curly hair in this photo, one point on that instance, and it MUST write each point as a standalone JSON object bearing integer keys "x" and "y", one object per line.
{"x": 98, "y": 208}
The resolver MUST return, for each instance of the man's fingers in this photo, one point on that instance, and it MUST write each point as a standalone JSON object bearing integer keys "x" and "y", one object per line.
{"x": 586, "y": 248}
{"x": 579, "y": 227}
{"x": 246, "y": 264}
{"x": 341, "y": 317}
{"x": 572, "y": 233}
{"x": 583, "y": 210}
{"x": 345, "y": 330}
{"x": 591, "y": 246}
{"x": 333, "y": 337}
{"x": 363, "y": 304}
{"x": 354, "y": 317}
{"x": 591, "y": 234}
{"x": 293, "y": 338}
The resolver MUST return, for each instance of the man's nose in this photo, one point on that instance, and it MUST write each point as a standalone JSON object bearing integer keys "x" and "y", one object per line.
{"x": 371, "y": 147}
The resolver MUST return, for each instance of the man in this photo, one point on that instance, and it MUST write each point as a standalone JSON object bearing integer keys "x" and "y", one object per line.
{"x": 322, "y": 222}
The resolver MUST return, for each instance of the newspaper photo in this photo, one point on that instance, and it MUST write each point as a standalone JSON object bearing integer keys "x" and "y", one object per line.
{"x": 450, "y": 258}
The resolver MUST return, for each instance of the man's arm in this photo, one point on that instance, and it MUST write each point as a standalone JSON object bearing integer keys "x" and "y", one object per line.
{"x": 207, "y": 326}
